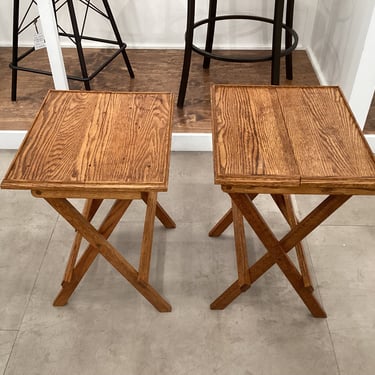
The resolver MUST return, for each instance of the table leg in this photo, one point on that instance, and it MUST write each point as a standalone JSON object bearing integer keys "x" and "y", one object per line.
{"x": 277, "y": 249}
{"x": 285, "y": 205}
{"x": 161, "y": 214}
{"x": 107, "y": 227}
{"x": 271, "y": 243}
{"x": 89, "y": 210}
{"x": 224, "y": 222}
{"x": 148, "y": 233}
{"x": 99, "y": 244}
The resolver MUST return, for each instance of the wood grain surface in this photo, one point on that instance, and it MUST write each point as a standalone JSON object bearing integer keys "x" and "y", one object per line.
{"x": 296, "y": 137}
{"x": 96, "y": 141}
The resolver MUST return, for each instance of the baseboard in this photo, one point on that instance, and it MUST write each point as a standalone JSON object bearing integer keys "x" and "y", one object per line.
{"x": 371, "y": 141}
{"x": 191, "y": 142}
{"x": 316, "y": 66}
{"x": 11, "y": 140}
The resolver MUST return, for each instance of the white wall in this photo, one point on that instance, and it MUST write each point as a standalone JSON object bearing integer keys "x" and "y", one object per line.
{"x": 364, "y": 83}
{"x": 161, "y": 24}
{"x": 340, "y": 30}
{"x": 341, "y": 44}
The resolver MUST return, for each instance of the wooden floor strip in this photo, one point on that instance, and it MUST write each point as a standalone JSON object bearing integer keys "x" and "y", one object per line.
{"x": 155, "y": 70}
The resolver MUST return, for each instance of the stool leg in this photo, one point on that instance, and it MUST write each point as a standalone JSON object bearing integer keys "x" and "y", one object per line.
{"x": 118, "y": 37}
{"x": 187, "y": 55}
{"x": 16, "y": 12}
{"x": 276, "y": 42}
{"x": 289, "y": 39}
{"x": 78, "y": 41}
{"x": 210, "y": 32}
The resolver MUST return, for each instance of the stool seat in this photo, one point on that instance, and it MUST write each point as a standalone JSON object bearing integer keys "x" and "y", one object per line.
{"x": 291, "y": 41}
{"x": 238, "y": 58}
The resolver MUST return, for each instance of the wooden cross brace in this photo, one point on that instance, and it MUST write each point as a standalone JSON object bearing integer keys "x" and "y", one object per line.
{"x": 98, "y": 244}
{"x": 243, "y": 206}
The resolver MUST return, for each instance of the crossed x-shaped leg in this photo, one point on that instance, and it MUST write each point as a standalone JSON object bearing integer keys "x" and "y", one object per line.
{"x": 98, "y": 244}
{"x": 243, "y": 206}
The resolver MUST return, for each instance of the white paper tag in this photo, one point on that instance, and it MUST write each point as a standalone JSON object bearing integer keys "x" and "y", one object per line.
{"x": 39, "y": 41}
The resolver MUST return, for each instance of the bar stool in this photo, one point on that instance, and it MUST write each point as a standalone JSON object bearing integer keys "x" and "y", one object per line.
{"x": 291, "y": 40}
{"x": 76, "y": 36}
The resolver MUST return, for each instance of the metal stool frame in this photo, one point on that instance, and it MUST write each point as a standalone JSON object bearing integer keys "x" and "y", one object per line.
{"x": 291, "y": 41}
{"x": 76, "y": 37}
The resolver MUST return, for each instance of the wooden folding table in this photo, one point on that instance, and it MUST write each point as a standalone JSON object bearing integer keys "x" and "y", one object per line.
{"x": 99, "y": 145}
{"x": 281, "y": 141}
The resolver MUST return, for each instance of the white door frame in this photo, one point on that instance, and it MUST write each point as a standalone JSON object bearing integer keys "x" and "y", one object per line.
{"x": 364, "y": 84}
{"x": 51, "y": 36}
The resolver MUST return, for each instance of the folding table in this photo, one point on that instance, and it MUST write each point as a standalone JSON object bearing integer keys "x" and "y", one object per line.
{"x": 96, "y": 146}
{"x": 281, "y": 141}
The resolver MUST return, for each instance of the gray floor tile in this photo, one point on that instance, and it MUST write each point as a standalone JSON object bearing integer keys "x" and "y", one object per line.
{"x": 6, "y": 156}
{"x": 108, "y": 327}
{"x": 170, "y": 343}
{"x": 25, "y": 209}
{"x": 7, "y": 339}
{"x": 355, "y": 350}
{"x": 26, "y": 225}
{"x": 344, "y": 260}
{"x": 22, "y": 251}
{"x": 358, "y": 210}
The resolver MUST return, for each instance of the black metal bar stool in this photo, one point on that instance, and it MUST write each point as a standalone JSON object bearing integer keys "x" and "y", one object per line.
{"x": 291, "y": 40}
{"x": 76, "y": 36}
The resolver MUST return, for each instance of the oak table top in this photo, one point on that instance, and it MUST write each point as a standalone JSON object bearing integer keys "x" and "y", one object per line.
{"x": 290, "y": 140}
{"x": 97, "y": 142}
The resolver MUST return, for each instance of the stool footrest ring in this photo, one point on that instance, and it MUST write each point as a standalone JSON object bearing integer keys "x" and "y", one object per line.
{"x": 217, "y": 56}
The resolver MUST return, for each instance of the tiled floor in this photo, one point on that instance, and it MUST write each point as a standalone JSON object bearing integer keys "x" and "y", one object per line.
{"x": 108, "y": 328}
